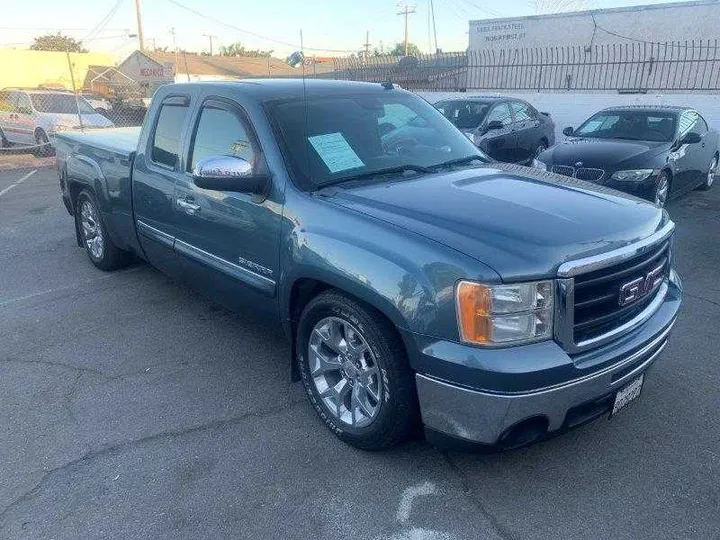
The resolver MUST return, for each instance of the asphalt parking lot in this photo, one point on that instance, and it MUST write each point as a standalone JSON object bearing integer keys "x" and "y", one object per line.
{"x": 131, "y": 407}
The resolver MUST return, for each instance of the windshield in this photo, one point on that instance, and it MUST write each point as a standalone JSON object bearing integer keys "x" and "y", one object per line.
{"x": 60, "y": 104}
{"x": 464, "y": 114}
{"x": 633, "y": 125}
{"x": 357, "y": 135}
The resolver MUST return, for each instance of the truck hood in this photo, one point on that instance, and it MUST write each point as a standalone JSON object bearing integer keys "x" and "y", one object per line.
{"x": 521, "y": 222}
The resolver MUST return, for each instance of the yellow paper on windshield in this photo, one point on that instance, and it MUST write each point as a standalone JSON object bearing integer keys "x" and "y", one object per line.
{"x": 335, "y": 152}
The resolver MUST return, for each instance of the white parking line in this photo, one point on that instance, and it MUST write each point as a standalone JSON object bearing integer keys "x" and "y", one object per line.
{"x": 28, "y": 175}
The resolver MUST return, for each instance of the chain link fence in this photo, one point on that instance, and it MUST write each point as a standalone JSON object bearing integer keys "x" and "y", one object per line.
{"x": 106, "y": 97}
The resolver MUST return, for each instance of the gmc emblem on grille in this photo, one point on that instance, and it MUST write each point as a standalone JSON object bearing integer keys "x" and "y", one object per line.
{"x": 642, "y": 286}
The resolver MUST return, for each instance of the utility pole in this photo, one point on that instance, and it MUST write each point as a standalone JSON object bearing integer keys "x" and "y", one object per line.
{"x": 367, "y": 44}
{"x": 406, "y": 10}
{"x": 432, "y": 14}
{"x": 139, "y": 25}
{"x": 210, "y": 37}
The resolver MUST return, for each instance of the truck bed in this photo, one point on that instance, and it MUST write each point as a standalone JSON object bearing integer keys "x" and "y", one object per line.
{"x": 122, "y": 141}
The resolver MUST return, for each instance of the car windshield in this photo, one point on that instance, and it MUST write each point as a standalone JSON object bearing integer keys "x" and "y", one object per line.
{"x": 60, "y": 104}
{"x": 633, "y": 125}
{"x": 464, "y": 114}
{"x": 359, "y": 136}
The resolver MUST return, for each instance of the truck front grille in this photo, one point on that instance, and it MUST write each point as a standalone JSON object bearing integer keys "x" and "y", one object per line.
{"x": 597, "y": 308}
{"x": 564, "y": 170}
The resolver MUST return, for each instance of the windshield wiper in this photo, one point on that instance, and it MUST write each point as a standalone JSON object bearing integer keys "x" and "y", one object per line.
{"x": 380, "y": 172}
{"x": 458, "y": 161}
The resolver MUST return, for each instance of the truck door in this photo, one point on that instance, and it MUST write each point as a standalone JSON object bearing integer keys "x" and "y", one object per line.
{"x": 155, "y": 172}
{"x": 497, "y": 138}
{"x": 228, "y": 241}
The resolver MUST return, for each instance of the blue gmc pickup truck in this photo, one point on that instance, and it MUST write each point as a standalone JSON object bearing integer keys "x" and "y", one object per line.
{"x": 418, "y": 282}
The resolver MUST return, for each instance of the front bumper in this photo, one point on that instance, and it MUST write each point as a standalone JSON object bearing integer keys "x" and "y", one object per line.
{"x": 489, "y": 415}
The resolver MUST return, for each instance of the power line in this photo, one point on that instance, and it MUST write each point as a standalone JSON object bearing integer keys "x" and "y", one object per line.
{"x": 406, "y": 10}
{"x": 487, "y": 10}
{"x": 99, "y": 27}
{"x": 259, "y": 36}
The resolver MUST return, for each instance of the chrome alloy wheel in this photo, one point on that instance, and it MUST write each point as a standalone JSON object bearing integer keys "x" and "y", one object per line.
{"x": 345, "y": 372}
{"x": 91, "y": 230}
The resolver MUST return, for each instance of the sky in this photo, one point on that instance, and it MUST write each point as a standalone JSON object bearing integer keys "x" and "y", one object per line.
{"x": 328, "y": 27}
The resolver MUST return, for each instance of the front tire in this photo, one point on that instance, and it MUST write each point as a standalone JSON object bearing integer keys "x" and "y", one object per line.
{"x": 100, "y": 248}
{"x": 710, "y": 178}
{"x": 355, "y": 372}
{"x": 4, "y": 143}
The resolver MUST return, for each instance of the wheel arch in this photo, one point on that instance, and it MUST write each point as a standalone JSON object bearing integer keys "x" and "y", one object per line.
{"x": 303, "y": 289}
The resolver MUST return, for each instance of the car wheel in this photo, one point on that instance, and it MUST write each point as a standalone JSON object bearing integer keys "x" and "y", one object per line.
{"x": 710, "y": 177}
{"x": 101, "y": 250}
{"x": 355, "y": 372}
{"x": 4, "y": 143}
{"x": 662, "y": 189}
{"x": 42, "y": 144}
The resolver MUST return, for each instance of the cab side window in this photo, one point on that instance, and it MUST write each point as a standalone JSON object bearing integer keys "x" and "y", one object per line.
{"x": 7, "y": 102}
{"x": 23, "y": 104}
{"x": 166, "y": 139}
{"x": 523, "y": 111}
{"x": 501, "y": 113}
{"x": 222, "y": 132}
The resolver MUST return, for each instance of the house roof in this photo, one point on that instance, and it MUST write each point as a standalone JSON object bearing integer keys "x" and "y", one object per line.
{"x": 236, "y": 66}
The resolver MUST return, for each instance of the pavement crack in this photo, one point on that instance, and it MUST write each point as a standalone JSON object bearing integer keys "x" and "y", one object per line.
{"x": 471, "y": 493}
{"x": 713, "y": 302}
{"x": 70, "y": 367}
{"x": 119, "y": 447}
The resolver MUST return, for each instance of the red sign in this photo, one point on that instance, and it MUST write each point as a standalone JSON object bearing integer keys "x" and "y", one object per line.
{"x": 155, "y": 73}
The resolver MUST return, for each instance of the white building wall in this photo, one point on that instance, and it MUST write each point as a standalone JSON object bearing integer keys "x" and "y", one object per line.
{"x": 677, "y": 21}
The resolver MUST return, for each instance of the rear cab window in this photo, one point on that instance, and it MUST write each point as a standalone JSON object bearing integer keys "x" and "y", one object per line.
{"x": 165, "y": 145}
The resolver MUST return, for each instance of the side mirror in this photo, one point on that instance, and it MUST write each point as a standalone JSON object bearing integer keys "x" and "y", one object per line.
{"x": 690, "y": 138}
{"x": 568, "y": 131}
{"x": 494, "y": 125}
{"x": 228, "y": 173}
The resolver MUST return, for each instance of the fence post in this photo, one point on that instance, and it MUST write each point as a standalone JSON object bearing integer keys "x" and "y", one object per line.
{"x": 72, "y": 80}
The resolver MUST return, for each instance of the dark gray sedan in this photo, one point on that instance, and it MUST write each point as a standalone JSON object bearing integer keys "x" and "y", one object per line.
{"x": 506, "y": 129}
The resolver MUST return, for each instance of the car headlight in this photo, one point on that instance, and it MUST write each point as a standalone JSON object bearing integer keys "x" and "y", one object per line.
{"x": 504, "y": 314}
{"x": 635, "y": 175}
{"x": 537, "y": 164}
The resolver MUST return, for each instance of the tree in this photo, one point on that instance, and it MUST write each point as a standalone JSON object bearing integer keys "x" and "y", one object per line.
{"x": 57, "y": 42}
{"x": 399, "y": 50}
{"x": 238, "y": 49}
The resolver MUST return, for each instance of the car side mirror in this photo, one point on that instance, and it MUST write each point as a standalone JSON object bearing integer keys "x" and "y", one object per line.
{"x": 690, "y": 138}
{"x": 494, "y": 125}
{"x": 229, "y": 173}
{"x": 568, "y": 131}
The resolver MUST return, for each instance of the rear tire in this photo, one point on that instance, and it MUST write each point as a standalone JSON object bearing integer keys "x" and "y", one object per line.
{"x": 355, "y": 372}
{"x": 4, "y": 143}
{"x": 42, "y": 144}
{"x": 710, "y": 177}
{"x": 101, "y": 250}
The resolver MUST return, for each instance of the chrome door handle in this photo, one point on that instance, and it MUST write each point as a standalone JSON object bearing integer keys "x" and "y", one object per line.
{"x": 190, "y": 208}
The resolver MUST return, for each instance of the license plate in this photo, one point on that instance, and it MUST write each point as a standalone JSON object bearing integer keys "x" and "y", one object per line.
{"x": 628, "y": 394}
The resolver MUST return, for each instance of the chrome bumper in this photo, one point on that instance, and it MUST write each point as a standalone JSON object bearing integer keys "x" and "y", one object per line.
{"x": 484, "y": 417}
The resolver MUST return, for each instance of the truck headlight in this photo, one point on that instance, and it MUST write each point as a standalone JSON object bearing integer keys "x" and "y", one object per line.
{"x": 537, "y": 164}
{"x": 504, "y": 314}
{"x": 635, "y": 175}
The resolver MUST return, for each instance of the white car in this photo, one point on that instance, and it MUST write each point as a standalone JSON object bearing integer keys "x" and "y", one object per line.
{"x": 97, "y": 102}
{"x": 33, "y": 116}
